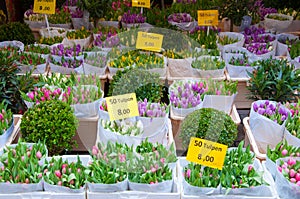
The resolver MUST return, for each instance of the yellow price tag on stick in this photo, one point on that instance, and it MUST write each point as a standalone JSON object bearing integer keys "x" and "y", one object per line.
{"x": 122, "y": 106}
{"x": 208, "y": 17}
{"x": 206, "y": 153}
{"x": 141, "y": 3}
{"x": 44, "y": 6}
{"x": 149, "y": 41}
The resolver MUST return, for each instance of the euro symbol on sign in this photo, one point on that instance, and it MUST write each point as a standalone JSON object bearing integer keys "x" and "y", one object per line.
{"x": 41, "y": 7}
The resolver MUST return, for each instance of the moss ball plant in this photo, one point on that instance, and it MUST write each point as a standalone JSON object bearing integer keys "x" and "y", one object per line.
{"x": 53, "y": 122}
{"x": 16, "y": 31}
{"x": 209, "y": 124}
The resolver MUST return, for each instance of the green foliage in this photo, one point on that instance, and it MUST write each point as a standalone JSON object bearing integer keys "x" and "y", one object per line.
{"x": 274, "y": 80}
{"x": 53, "y": 122}
{"x": 282, "y": 4}
{"x": 16, "y": 31}
{"x": 209, "y": 124}
{"x": 295, "y": 50}
{"x": 9, "y": 82}
{"x": 146, "y": 85}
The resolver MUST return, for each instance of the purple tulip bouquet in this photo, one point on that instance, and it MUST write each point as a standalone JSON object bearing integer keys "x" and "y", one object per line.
{"x": 267, "y": 122}
{"x": 186, "y": 96}
{"x": 183, "y": 21}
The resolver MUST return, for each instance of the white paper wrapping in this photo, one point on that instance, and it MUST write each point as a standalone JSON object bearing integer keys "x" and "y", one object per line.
{"x": 65, "y": 26}
{"x": 265, "y": 131}
{"x": 271, "y": 166}
{"x": 35, "y": 24}
{"x": 232, "y": 35}
{"x": 182, "y": 112}
{"x": 185, "y": 26}
{"x": 285, "y": 189}
{"x": 180, "y": 67}
{"x": 296, "y": 62}
{"x": 161, "y": 187}
{"x": 277, "y": 25}
{"x": 239, "y": 71}
{"x": 108, "y": 188}
{"x": 13, "y": 43}
{"x": 219, "y": 102}
{"x": 230, "y": 51}
{"x": 61, "y": 189}
{"x": 60, "y": 69}
{"x": 6, "y": 135}
{"x": 282, "y": 49}
{"x": 109, "y": 23}
{"x": 21, "y": 188}
{"x": 105, "y": 135}
{"x": 291, "y": 139}
{"x": 39, "y": 69}
{"x": 54, "y": 31}
{"x": 199, "y": 73}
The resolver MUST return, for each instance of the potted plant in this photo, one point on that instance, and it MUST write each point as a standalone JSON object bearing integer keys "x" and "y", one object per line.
{"x": 264, "y": 81}
{"x": 79, "y": 37}
{"x": 132, "y": 20}
{"x": 287, "y": 176}
{"x": 133, "y": 80}
{"x": 21, "y": 169}
{"x": 51, "y": 40}
{"x": 230, "y": 39}
{"x": 285, "y": 42}
{"x": 208, "y": 67}
{"x": 29, "y": 61}
{"x": 277, "y": 22}
{"x": 183, "y": 21}
{"x": 186, "y": 96}
{"x": 34, "y": 20}
{"x": 36, "y": 125}
{"x": 61, "y": 18}
{"x": 105, "y": 37}
{"x": 210, "y": 124}
{"x": 80, "y": 18}
{"x": 95, "y": 63}
{"x": 38, "y": 49}
{"x": 63, "y": 175}
{"x": 240, "y": 175}
{"x": 282, "y": 150}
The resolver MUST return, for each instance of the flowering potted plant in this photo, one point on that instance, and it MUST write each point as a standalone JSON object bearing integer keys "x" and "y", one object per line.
{"x": 28, "y": 61}
{"x": 79, "y": 37}
{"x": 61, "y": 18}
{"x": 61, "y": 50}
{"x": 208, "y": 67}
{"x": 241, "y": 179}
{"x": 143, "y": 60}
{"x": 259, "y": 51}
{"x": 277, "y": 22}
{"x": 183, "y": 21}
{"x": 6, "y": 123}
{"x": 186, "y": 96}
{"x": 63, "y": 175}
{"x": 285, "y": 42}
{"x": 38, "y": 49}
{"x": 220, "y": 95}
{"x": 34, "y": 20}
{"x": 287, "y": 180}
{"x": 105, "y": 37}
{"x": 292, "y": 134}
{"x": 239, "y": 65}
{"x": 66, "y": 63}
{"x": 21, "y": 169}
{"x": 230, "y": 39}
{"x": 282, "y": 150}
{"x": 108, "y": 175}
{"x": 131, "y": 19}
{"x": 80, "y": 18}
{"x": 41, "y": 94}
{"x": 51, "y": 40}
{"x": 266, "y": 116}
{"x": 94, "y": 63}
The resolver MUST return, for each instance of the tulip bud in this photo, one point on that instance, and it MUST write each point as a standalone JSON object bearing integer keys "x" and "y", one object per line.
{"x": 39, "y": 155}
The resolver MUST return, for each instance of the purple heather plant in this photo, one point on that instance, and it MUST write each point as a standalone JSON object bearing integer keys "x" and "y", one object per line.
{"x": 275, "y": 112}
{"x": 148, "y": 109}
{"x": 188, "y": 95}
{"x": 130, "y": 18}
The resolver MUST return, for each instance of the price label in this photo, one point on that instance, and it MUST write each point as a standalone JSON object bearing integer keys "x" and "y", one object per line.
{"x": 206, "y": 153}
{"x": 208, "y": 17}
{"x": 122, "y": 106}
{"x": 141, "y": 3}
{"x": 44, "y": 6}
{"x": 149, "y": 41}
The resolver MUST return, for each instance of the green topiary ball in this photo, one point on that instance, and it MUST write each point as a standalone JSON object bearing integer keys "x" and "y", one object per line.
{"x": 53, "y": 122}
{"x": 16, "y": 31}
{"x": 209, "y": 124}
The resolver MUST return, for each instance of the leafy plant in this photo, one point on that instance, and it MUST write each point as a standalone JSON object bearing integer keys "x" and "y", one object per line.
{"x": 53, "y": 122}
{"x": 16, "y": 31}
{"x": 295, "y": 50}
{"x": 210, "y": 124}
{"x": 6, "y": 117}
{"x": 282, "y": 149}
{"x": 61, "y": 16}
{"x": 143, "y": 83}
{"x": 274, "y": 80}
{"x": 9, "y": 82}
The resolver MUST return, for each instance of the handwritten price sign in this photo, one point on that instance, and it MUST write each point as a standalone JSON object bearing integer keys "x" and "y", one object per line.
{"x": 44, "y": 6}
{"x": 149, "y": 41}
{"x": 141, "y": 3}
{"x": 122, "y": 106}
{"x": 206, "y": 153}
{"x": 208, "y": 17}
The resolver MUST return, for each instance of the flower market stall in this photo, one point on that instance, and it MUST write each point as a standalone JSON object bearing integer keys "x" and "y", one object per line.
{"x": 150, "y": 99}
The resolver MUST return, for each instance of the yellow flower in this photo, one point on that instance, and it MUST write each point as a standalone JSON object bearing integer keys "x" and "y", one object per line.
{"x": 137, "y": 58}
{"x": 123, "y": 58}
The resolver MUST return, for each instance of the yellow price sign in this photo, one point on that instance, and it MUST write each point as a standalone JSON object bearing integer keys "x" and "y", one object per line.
{"x": 44, "y": 6}
{"x": 122, "y": 106}
{"x": 206, "y": 153}
{"x": 208, "y": 17}
{"x": 149, "y": 41}
{"x": 141, "y": 3}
